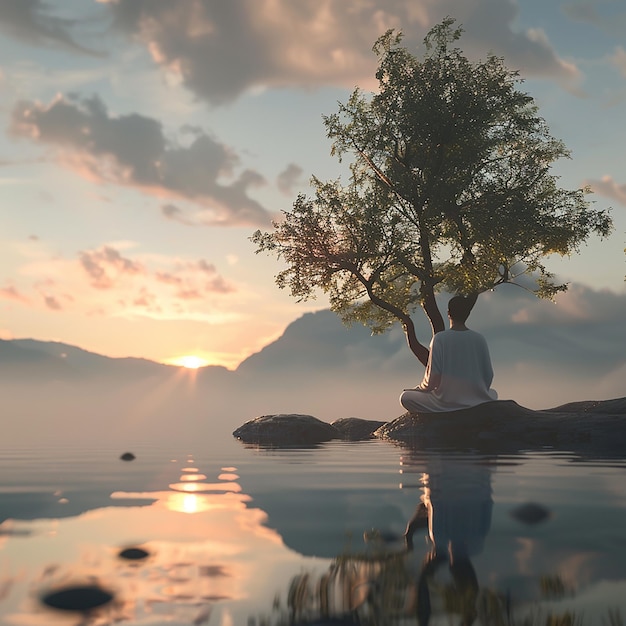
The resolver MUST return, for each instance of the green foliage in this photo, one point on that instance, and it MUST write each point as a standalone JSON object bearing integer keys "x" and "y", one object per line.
{"x": 450, "y": 188}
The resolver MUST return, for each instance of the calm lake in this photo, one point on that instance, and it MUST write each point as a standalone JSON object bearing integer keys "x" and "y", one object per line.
{"x": 225, "y": 534}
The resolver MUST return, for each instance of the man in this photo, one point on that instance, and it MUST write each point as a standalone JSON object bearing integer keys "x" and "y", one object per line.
{"x": 459, "y": 373}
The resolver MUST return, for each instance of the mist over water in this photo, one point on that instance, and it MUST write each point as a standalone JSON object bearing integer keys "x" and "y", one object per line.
{"x": 543, "y": 354}
{"x": 204, "y": 505}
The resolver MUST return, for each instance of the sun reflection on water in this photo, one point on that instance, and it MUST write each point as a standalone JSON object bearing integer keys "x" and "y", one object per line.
{"x": 187, "y": 503}
{"x": 210, "y": 555}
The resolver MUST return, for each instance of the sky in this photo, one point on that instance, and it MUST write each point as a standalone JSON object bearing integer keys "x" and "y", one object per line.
{"x": 144, "y": 141}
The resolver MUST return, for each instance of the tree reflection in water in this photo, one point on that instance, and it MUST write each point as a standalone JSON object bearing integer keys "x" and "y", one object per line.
{"x": 399, "y": 584}
{"x": 382, "y": 584}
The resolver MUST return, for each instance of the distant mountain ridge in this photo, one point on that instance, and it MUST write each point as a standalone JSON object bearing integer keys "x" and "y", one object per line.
{"x": 318, "y": 366}
{"x": 315, "y": 344}
{"x": 14, "y": 352}
{"x": 56, "y": 360}
{"x": 320, "y": 340}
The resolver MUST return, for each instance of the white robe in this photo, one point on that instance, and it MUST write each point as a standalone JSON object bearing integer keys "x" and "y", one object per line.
{"x": 458, "y": 374}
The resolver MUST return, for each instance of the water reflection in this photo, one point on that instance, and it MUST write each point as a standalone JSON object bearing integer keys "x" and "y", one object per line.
{"x": 456, "y": 505}
{"x": 205, "y": 555}
{"x": 395, "y": 579}
{"x": 212, "y": 555}
{"x": 453, "y": 567}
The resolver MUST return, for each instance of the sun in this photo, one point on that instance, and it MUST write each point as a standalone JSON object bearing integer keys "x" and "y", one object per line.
{"x": 190, "y": 361}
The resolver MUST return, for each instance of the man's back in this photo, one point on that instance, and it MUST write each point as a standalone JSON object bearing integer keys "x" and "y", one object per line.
{"x": 458, "y": 375}
{"x": 460, "y": 360}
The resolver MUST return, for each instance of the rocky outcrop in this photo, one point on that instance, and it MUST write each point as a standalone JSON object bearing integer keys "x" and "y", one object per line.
{"x": 589, "y": 429}
{"x": 592, "y": 428}
{"x": 357, "y": 429}
{"x": 286, "y": 429}
{"x": 293, "y": 429}
{"x": 609, "y": 407}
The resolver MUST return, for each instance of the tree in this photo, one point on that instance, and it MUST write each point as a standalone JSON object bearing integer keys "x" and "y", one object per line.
{"x": 450, "y": 188}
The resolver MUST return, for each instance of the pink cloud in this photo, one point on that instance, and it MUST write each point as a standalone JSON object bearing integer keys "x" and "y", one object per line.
{"x": 167, "y": 278}
{"x": 106, "y": 265}
{"x": 609, "y": 188}
{"x": 52, "y": 303}
{"x": 11, "y": 293}
{"x": 147, "y": 300}
{"x": 107, "y": 269}
{"x": 219, "y": 285}
{"x": 189, "y": 294}
{"x": 203, "y": 266}
{"x": 132, "y": 150}
{"x": 281, "y": 43}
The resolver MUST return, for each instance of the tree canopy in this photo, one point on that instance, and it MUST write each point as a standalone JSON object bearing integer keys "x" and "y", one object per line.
{"x": 450, "y": 188}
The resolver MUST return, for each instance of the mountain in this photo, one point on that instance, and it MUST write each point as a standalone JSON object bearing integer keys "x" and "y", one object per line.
{"x": 314, "y": 345}
{"x": 319, "y": 344}
{"x": 84, "y": 362}
{"x": 544, "y": 354}
{"x": 22, "y": 360}
{"x": 54, "y": 360}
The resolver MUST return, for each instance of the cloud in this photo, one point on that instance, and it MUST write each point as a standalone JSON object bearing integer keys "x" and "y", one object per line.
{"x": 115, "y": 280}
{"x": 612, "y": 20}
{"x": 606, "y": 186}
{"x": 32, "y": 21}
{"x": 52, "y": 303}
{"x": 106, "y": 266}
{"x": 289, "y": 178}
{"x": 618, "y": 59}
{"x": 220, "y": 50}
{"x": 168, "y": 279}
{"x": 176, "y": 214}
{"x": 11, "y": 293}
{"x": 132, "y": 150}
{"x": 490, "y": 23}
{"x": 189, "y": 294}
{"x": 581, "y": 11}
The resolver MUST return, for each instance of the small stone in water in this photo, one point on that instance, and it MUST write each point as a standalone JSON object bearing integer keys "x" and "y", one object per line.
{"x": 127, "y": 456}
{"x": 78, "y": 598}
{"x": 530, "y": 513}
{"x": 133, "y": 554}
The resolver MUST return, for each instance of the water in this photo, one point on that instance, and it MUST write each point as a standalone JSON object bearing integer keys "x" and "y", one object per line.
{"x": 235, "y": 535}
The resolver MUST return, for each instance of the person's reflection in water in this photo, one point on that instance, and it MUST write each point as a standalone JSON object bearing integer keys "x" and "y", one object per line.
{"x": 456, "y": 508}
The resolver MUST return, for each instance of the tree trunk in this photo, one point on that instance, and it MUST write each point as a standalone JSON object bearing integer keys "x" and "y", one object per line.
{"x": 435, "y": 318}
{"x": 418, "y": 349}
{"x": 429, "y": 304}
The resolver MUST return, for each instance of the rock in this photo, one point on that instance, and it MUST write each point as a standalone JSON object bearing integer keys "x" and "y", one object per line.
{"x": 133, "y": 554}
{"x": 83, "y": 598}
{"x": 356, "y": 429}
{"x": 590, "y": 429}
{"x": 127, "y": 456}
{"x": 586, "y": 428}
{"x": 530, "y": 513}
{"x": 286, "y": 429}
{"x": 614, "y": 407}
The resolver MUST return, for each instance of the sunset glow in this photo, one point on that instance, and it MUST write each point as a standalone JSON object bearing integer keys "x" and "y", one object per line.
{"x": 172, "y": 170}
{"x": 190, "y": 362}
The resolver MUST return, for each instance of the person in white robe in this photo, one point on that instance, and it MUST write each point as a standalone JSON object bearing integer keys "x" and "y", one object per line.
{"x": 459, "y": 371}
